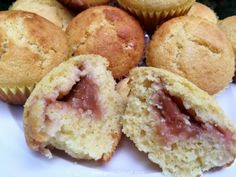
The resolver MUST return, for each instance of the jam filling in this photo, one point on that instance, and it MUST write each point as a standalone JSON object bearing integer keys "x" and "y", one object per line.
{"x": 84, "y": 96}
{"x": 176, "y": 123}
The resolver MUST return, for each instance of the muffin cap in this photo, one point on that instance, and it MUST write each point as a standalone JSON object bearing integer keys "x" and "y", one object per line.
{"x": 195, "y": 49}
{"x": 49, "y": 9}
{"x": 202, "y": 11}
{"x": 228, "y": 26}
{"x": 109, "y": 32}
{"x": 28, "y": 53}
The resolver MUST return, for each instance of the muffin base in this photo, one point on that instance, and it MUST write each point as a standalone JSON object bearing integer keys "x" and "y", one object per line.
{"x": 15, "y": 95}
{"x": 151, "y": 19}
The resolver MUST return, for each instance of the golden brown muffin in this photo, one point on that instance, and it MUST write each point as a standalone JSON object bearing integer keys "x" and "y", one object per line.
{"x": 179, "y": 126}
{"x": 83, "y": 4}
{"x": 109, "y": 32}
{"x": 49, "y": 9}
{"x": 195, "y": 49}
{"x": 30, "y": 46}
{"x": 228, "y": 26}
{"x": 202, "y": 11}
{"x": 75, "y": 108}
{"x": 153, "y": 12}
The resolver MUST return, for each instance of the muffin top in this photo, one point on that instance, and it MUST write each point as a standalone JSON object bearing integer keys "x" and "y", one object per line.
{"x": 83, "y": 4}
{"x": 195, "y": 49}
{"x": 49, "y": 9}
{"x": 228, "y": 26}
{"x": 109, "y": 32}
{"x": 30, "y": 46}
{"x": 155, "y": 5}
{"x": 202, "y": 11}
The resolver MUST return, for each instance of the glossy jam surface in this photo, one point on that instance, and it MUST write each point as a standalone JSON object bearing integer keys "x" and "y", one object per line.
{"x": 176, "y": 123}
{"x": 84, "y": 95}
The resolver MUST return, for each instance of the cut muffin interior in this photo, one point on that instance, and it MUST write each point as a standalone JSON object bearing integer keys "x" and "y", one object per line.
{"x": 75, "y": 108}
{"x": 181, "y": 127}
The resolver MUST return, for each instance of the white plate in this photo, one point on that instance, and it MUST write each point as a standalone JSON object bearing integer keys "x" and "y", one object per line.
{"x": 17, "y": 160}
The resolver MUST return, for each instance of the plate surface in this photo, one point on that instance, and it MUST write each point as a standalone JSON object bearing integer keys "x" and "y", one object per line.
{"x": 17, "y": 160}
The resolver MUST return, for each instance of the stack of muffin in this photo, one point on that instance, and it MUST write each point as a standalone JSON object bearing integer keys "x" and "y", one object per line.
{"x": 64, "y": 65}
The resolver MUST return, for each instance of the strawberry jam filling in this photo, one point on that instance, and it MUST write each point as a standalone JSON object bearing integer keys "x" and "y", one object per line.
{"x": 176, "y": 123}
{"x": 84, "y": 96}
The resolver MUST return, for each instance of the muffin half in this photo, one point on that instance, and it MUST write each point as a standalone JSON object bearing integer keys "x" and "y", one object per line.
{"x": 75, "y": 108}
{"x": 30, "y": 46}
{"x": 195, "y": 49}
{"x": 179, "y": 126}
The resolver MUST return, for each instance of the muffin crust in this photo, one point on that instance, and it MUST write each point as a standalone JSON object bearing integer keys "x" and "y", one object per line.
{"x": 109, "y": 32}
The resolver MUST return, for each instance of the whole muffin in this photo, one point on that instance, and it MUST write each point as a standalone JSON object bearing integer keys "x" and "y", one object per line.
{"x": 49, "y": 9}
{"x": 153, "y": 12}
{"x": 27, "y": 53}
{"x": 83, "y": 4}
{"x": 195, "y": 49}
{"x": 109, "y": 32}
{"x": 228, "y": 26}
{"x": 202, "y": 11}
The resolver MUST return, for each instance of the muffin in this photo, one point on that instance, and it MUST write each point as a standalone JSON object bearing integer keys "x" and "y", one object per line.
{"x": 109, "y": 32}
{"x": 179, "y": 126}
{"x": 153, "y": 12}
{"x": 228, "y": 26}
{"x": 195, "y": 49}
{"x": 27, "y": 53}
{"x": 49, "y": 9}
{"x": 83, "y": 4}
{"x": 202, "y": 11}
{"x": 75, "y": 108}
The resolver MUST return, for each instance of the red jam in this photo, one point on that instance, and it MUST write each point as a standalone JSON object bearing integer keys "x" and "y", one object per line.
{"x": 84, "y": 95}
{"x": 176, "y": 123}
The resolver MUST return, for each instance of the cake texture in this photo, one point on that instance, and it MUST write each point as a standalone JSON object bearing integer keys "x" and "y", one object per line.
{"x": 27, "y": 53}
{"x": 204, "y": 12}
{"x": 83, "y": 4}
{"x": 179, "y": 126}
{"x": 109, "y": 32}
{"x": 228, "y": 26}
{"x": 75, "y": 108}
{"x": 52, "y": 10}
{"x": 155, "y": 12}
{"x": 195, "y": 49}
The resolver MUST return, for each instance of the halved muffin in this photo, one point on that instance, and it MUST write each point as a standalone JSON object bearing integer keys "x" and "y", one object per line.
{"x": 179, "y": 126}
{"x": 75, "y": 108}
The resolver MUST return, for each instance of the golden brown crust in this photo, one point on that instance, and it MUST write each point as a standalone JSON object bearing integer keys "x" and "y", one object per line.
{"x": 116, "y": 137}
{"x": 154, "y": 12}
{"x": 202, "y": 11}
{"x": 194, "y": 49}
{"x": 26, "y": 52}
{"x": 83, "y": 4}
{"x": 109, "y": 32}
{"x": 228, "y": 26}
{"x": 123, "y": 89}
{"x": 52, "y": 10}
